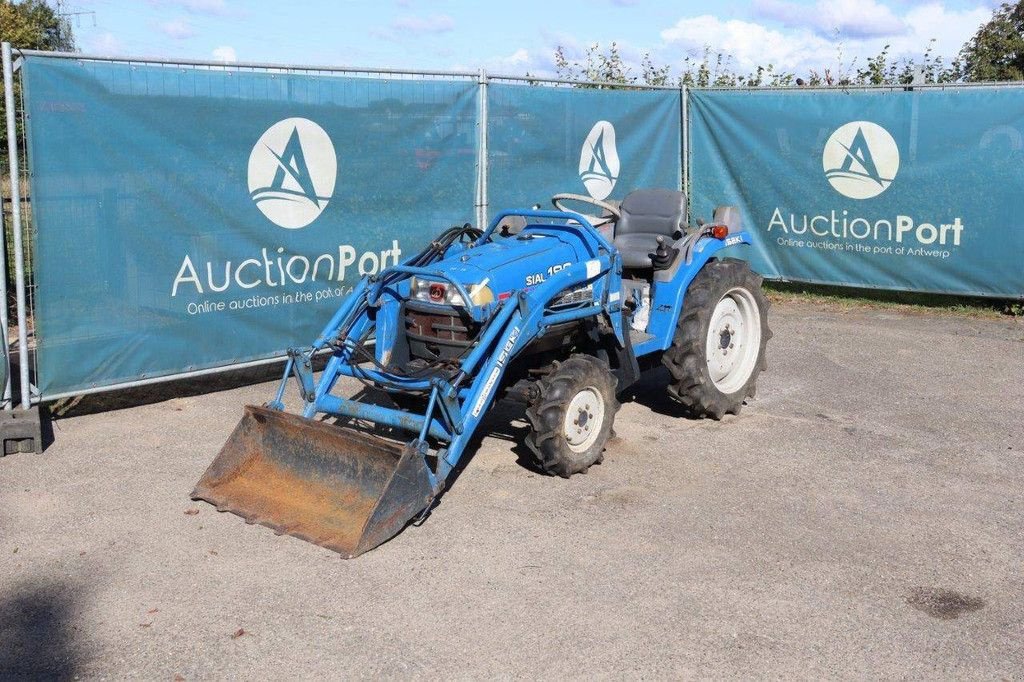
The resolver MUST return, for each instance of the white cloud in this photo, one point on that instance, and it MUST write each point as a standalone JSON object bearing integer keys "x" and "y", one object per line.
{"x": 858, "y": 18}
{"x": 520, "y": 62}
{"x": 848, "y": 18}
{"x": 804, "y": 39}
{"x": 225, "y": 53}
{"x": 179, "y": 29}
{"x": 105, "y": 44}
{"x": 575, "y": 50}
{"x": 517, "y": 63}
{"x": 750, "y": 44}
{"x": 437, "y": 23}
{"x": 807, "y": 43}
{"x": 517, "y": 58}
{"x": 950, "y": 28}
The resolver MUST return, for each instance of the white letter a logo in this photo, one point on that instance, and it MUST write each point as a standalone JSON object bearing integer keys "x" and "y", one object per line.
{"x": 599, "y": 161}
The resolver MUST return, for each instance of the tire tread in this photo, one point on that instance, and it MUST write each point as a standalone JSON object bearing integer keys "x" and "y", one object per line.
{"x": 547, "y": 413}
{"x": 691, "y": 385}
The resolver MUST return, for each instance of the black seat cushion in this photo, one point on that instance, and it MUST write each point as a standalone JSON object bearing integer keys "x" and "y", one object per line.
{"x": 646, "y": 215}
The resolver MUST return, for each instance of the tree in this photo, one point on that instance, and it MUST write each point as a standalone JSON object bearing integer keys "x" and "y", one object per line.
{"x": 883, "y": 70}
{"x": 711, "y": 69}
{"x": 996, "y": 52}
{"x": 29, "y": 25}
{"x": 607, "y": 66}
{"x": 34, "y": 25}
{"x": 715, "y": 69}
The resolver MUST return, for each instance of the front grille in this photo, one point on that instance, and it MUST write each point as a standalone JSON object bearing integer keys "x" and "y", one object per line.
{"x": 438, "y": 332}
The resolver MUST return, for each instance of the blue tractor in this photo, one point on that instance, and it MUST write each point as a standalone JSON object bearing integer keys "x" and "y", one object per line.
{"x": 559, "y": 310}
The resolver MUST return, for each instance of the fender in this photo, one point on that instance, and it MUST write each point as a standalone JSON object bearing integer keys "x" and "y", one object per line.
{"x": 670, "y": 288}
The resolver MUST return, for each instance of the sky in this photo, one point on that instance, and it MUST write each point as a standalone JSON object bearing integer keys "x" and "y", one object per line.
{"x": 520, "y": 37}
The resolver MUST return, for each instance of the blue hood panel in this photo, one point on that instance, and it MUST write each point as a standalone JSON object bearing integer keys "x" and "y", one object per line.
{"x": 512, "y": 263}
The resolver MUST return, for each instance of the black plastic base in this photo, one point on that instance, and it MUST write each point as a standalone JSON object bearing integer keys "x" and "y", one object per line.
{"x": 21, "y": 430}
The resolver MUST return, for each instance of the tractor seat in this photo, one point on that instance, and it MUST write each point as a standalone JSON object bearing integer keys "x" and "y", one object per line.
{"x": 646, "y": 215}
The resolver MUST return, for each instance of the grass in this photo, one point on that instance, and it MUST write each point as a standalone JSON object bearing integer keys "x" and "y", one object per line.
{"x": 852, "y": 298}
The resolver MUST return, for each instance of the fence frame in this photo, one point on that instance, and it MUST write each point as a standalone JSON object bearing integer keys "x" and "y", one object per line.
{"x": 19, "y": 253}
{"x": 30, "y": 395}
{"x": 11, "y": 66}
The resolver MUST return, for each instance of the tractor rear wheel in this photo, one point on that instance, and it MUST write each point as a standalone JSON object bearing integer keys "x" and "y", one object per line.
{"x": 572, "y": 416}
{"x": 720, "y": 339}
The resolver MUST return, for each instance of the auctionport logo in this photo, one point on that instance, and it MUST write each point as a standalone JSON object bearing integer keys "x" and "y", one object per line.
{"x": 599, "y": 161}
{"x": 861, "y": 160}
{"x": 292, "y": 171}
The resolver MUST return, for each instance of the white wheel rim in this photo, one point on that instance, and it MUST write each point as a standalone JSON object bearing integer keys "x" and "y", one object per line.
{"x": 734, "y": 340}
{"x": 583, "y": 419}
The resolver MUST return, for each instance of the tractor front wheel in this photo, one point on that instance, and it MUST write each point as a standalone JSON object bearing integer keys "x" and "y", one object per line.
{"x": 572, "y": 416}
{"x": 720, "y": 339}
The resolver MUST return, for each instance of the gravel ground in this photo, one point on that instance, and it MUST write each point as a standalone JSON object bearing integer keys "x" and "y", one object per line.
{"x": 862, "y": 518}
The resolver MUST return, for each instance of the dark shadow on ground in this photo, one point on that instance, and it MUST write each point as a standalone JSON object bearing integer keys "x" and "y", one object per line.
{"x": 498, "y": 422}
{"x": 36, "y": 633}
{"x": 501, "y": 422}
{"x": 651, "y": 391}
{"x": 177, "y": 388}
{"x": 504, "y": 420}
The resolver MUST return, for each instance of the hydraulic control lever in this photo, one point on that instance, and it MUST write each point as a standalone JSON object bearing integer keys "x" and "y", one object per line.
{"x": 663, "y": 256}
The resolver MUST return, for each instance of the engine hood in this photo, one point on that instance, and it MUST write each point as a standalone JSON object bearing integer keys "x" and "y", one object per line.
{"x": 510, "y": 264}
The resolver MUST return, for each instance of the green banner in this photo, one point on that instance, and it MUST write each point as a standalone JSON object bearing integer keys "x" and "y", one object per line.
{"x": 597, "y": 143}
{"x": 189, "y": 218}
{"x": 916, "y": 190}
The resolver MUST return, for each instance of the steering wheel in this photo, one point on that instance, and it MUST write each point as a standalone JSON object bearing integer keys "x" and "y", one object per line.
{"x": 595, "y": 220}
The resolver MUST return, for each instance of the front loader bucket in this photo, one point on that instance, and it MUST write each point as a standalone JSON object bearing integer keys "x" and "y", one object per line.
{"x": 326, "y": 484}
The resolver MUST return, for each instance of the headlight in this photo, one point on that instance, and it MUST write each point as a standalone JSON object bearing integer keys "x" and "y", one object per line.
{"x": 444, "y": 293}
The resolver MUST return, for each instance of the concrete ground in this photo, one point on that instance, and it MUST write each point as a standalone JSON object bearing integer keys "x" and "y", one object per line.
{"x": 862, "y": 518}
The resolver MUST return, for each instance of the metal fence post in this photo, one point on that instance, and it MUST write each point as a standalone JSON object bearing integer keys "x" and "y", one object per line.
{"x": 481, "y": 162}
{"x": 684, "y": 144}
{"x": 19, "y": 254}
{"x": 6, "y": 399}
